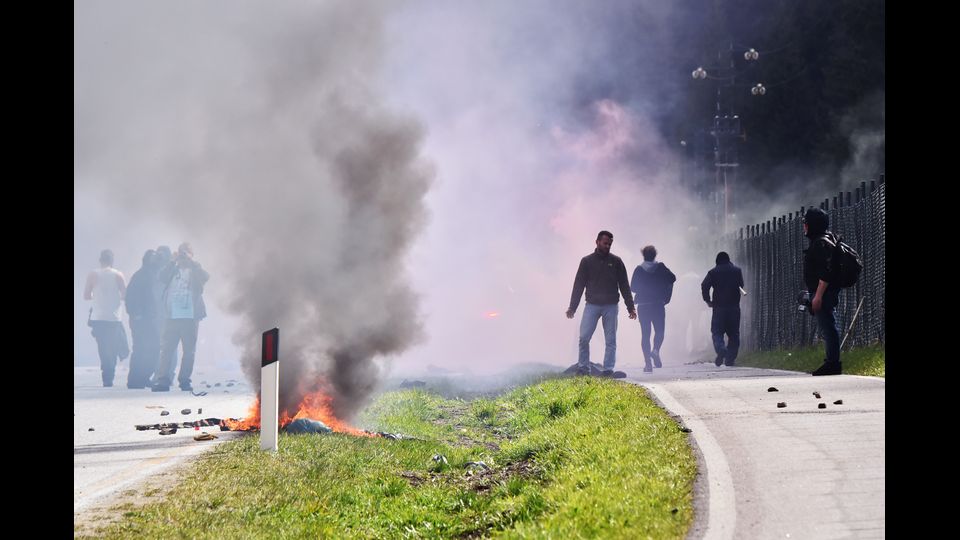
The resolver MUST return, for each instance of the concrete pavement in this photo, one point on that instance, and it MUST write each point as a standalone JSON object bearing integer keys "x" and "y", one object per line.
{"x": 768, "y": 472}
{"x": 115, "y": 456}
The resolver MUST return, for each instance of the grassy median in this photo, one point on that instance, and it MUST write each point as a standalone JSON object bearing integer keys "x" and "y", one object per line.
{"x": 868, "y": 360}
{"x": 563, "y": 458}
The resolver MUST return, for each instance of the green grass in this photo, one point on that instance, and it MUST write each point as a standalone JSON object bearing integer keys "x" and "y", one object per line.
{"x": 569, "y": 458}
{"x": 869, "y": 360}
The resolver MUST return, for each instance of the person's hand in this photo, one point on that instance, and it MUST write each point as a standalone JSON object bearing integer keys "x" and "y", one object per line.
{"x": 569, "y": 313}
{"x": 633, "y": 314}
{"x": 815, "y": 304}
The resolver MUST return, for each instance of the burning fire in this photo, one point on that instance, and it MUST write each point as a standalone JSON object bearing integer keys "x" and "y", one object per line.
{"x": 492, "y": 314}
{"x": 314, "y": 406}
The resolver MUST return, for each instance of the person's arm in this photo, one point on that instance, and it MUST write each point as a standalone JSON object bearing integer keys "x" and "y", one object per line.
{"x": 635, "y": 279}
{"x": 818, "y": 297}
{"x": 824, "y": 254}
{"x": 579, "y": 283}
{"x": 669, "y": 277}
{"x": 88, "y": 288}
{"x": 705, "y": 288}
{"x": 202, "y": 275}
{"x": 625, "y": 289}
{"x": 121, "y": 285}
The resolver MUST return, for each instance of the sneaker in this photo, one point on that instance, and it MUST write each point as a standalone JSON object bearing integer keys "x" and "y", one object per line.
{"x": 160, "y": 388}
{"x": 719, "y": 360}
{"x": 648, "y": 368}
{"x": 828, "y": 369}
{"x": 656, "y": 358}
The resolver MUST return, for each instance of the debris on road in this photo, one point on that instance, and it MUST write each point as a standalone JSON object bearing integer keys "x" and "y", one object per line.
{"x": 204, "y": 436}
{"x": 781, "y": 405}
{"x": 821, "y": 405}
{"x": 816, "y": 395}
{"x": 164, "y": 413}
{"x": 772, "y": 389}
{"x": 838, "y": 402}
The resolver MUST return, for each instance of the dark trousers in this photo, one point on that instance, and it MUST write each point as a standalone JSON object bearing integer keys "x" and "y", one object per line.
{"x": 183, "y": 332}
{"x": 146, "y": 351}
{"x": 827, "y": 322}
{"x": 726, "y": 320}
{"x": 650, "y": 315}
{"x": 108, "y": 335}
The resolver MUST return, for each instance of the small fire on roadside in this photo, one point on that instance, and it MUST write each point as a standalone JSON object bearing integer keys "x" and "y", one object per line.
{"x": 314, "y": 406}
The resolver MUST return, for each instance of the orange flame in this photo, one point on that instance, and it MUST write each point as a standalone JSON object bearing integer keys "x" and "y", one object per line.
{"x": 492, "y": 314}
{"x": 314, "y": 406}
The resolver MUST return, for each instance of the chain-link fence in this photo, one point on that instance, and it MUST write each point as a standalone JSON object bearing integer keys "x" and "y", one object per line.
{"x": 771, "y": 256}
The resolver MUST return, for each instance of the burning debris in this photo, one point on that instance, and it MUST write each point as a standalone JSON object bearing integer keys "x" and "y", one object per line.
{"x": 306, "y": 425}
{"x": 188, "y": 424}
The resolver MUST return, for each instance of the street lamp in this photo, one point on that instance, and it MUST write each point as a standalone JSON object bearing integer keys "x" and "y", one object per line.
{"x": 726, "y": 128}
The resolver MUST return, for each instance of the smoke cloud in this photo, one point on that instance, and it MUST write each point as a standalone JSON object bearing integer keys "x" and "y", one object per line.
{"x": 259, "y": 132}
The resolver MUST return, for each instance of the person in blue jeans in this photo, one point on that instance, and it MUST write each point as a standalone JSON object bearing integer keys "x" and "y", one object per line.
{"x": 604, "y": 276}
{"x": 726, "y": 280}
{"x": 818, "y": 273}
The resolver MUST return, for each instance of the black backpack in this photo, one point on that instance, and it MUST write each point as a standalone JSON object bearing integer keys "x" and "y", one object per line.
{"x": 847, "y": 263}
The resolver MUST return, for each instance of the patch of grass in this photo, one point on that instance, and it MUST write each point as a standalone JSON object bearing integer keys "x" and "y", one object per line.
{"x": 869, "y": 360}
{"x": 577, "y": 457}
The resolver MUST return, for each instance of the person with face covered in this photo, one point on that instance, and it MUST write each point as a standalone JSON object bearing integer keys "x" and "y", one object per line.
{"x": 820, "y": 281}
{"x": 183, "y": 280}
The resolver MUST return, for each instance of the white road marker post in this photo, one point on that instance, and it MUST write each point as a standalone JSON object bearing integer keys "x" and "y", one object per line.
{"x": 269, "y": 390}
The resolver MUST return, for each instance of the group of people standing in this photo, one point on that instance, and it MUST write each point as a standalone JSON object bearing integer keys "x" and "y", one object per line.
{"x": 164, "y": 302}
{"x": 604, "y": 277}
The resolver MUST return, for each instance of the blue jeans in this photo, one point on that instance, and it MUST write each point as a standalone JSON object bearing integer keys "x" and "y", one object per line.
{"x": 650, "y": 315}
{"x": 827, "y": 321}
{"x": 588, "y": 324}
{"x": 726, "y": 320}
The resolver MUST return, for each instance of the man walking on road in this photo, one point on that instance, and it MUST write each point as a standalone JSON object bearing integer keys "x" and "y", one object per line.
{"x": 653, "y": 283}
{"x": 604, "y": 277}
{"x": 726, "y": 280}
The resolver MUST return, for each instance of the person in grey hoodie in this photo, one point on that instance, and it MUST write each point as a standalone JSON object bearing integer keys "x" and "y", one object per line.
{"x": 652, "y": 284}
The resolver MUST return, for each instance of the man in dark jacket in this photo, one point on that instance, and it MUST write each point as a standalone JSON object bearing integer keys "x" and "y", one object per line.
{"x": 604, "y": 276}
{"x": 183, "y": 280}
{"x": 727, "y": 283}
{"x": 817, "y": 276}
{"x": 143, "y": 322}
{"x": 653, "y": 284}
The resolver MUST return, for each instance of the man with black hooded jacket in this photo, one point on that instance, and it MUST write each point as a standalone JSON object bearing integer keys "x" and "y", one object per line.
{"x": 820, "y": 281}
{"x": 726, "y": 280}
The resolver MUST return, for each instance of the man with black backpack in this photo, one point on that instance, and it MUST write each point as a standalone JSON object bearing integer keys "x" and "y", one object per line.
{"x": 652, "y": 283}
{"x": 828, "y": 265}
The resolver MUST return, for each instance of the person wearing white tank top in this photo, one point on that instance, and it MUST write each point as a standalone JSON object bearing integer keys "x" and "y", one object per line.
{"x": 106, "y": 288}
